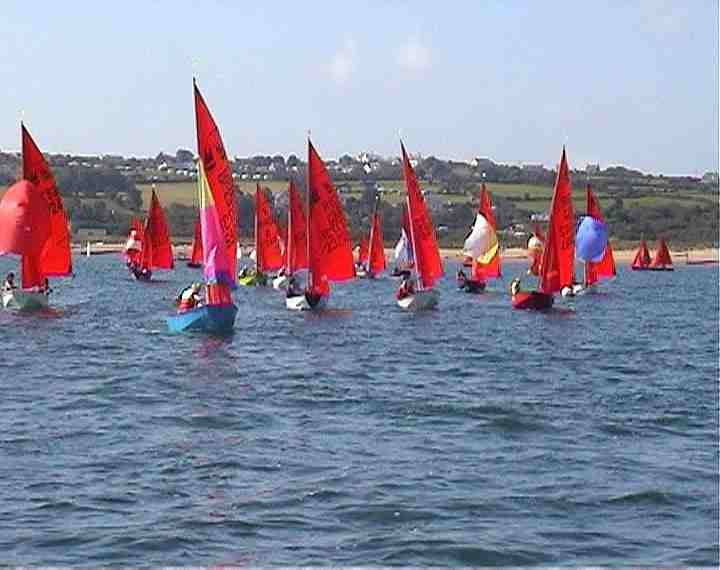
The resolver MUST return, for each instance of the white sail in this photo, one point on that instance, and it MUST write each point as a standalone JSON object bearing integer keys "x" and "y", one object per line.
{"x": 482, "y": 242}
{"x": 403, "y": 252}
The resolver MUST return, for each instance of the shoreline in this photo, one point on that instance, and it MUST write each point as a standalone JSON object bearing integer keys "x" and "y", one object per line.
{"x": 681, "y": 256}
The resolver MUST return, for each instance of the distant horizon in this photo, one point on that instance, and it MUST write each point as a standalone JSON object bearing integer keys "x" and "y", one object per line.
{"x": 627, "y": 84}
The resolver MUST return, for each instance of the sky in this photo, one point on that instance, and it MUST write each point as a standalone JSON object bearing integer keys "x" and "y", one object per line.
{"x": 618, "y": 82}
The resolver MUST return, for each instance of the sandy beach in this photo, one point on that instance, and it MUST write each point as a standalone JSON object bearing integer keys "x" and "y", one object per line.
{"x": 680, "y": 256}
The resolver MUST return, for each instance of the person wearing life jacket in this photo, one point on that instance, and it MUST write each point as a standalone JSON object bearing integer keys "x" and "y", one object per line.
{"x": 406, "y": 289}
{"x": 189, "y": 298}
{"x": 292, "y": 288}
{"x": 515, "y": 287}
{"x": 9, "y": 284}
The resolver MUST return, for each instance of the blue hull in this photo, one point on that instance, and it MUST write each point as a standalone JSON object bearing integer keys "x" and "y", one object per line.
{"x": 218, "y": 319}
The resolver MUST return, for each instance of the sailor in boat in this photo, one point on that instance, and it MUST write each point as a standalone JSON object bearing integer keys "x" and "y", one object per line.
{"x": 406, "y": 289}
{"x": 515, "y": 287}
{"x": 293, "y": 290}
{"x": 9, "y": 284}
{"x": 45, "y": 289}
{"x": 189, "y": 298}
{"x": 461, "y": 278}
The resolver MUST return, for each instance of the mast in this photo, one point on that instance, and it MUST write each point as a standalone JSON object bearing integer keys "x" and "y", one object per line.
{"x": 257, "y": 252}
{"x": 307, "y": 215}
{"x": 412, "y": 238}
{"x": 289, "y": 236}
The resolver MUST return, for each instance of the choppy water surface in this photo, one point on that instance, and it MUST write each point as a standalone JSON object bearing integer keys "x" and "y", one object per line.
{"x": 472, "y": 435}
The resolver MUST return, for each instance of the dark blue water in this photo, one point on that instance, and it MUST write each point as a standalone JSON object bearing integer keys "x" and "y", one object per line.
{"x": 472, "y": 435}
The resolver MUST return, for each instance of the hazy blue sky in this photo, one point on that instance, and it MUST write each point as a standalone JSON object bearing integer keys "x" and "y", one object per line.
{"x": 620, "y": 82}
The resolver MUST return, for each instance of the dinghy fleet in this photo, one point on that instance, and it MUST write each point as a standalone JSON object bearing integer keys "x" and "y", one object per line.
{"x": 312, "y": 251}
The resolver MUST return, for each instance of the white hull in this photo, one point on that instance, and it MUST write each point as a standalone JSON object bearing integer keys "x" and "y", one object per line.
{"x": 25, "y": 300}
{"x": 420, "y": 301}
{"x": 300, "y": 303}
{"x": 280, "y": 282}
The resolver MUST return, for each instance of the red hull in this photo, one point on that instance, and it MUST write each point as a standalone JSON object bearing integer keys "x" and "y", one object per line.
{"x": 532, "y": 301}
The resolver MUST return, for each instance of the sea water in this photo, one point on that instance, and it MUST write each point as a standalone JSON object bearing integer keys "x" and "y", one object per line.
{"x": 468, "y": 435}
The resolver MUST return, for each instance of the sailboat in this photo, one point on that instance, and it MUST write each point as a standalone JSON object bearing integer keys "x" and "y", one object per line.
{"x": 418, "y": 294}
{"x": 641, "y": 261}
{"x": 330, "y": 257}
{"x": 594, "y": 271}
{"x": 557, "y": 264}
{"x": 33, "y": 225}
{"x": 155, "y": 250}
{"x": 196, "y": 251}
{"x": 372, "y": 248}
{"x": 267, "y": 254}
{"x": 662, "y": 260}
{"x": 295, "y": 251}
{"x": 403, "y": 252}
{"x": 481, "y": 246}
{"x": 218, "y": 221}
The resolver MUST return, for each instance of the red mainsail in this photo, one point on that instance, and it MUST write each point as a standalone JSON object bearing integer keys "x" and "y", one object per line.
{"x": 55, "y": 259}
{"x": 157, "y": 250}
{"x": 605, "y": 268}
{"x": 268, "y": 256}
{"x": 490, "y": 270}
{"x": 331, "y": 257}
{"x": 25, "y": 229}
{"x": 376, "y": 247}
{"x": 557, "y": 266}
{"x": 642, "y": 257}
{"x": 425, "y": 250}
{"x": 196, "y": 256}
{"x": 296, "y": 245}
{"x": 662, "y": 257}
{"x": 211, "y": 152}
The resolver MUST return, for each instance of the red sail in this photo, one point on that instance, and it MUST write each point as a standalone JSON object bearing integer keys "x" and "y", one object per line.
{"x": 196, "y": 257}
{"x": 427, "y": 256}
{"x": 219, "y": 176}
{"x": 490, "y": 270}
{"x": 364, "y": 249}
{"x": 376, "y": 252}
{"x": 268, "y": 256}
{"x": 25, "y": 229}
{"x": 157, "y": 251}
{"x": 557, "y": 266}
{"x": 55, "y": 258}
{"x": 296, "y": 248}
{"x": 642, "y": 257}
{"x": 331, "y": 256}
{"x": 605, "y": 268}
{"x": 662, "y": 256}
